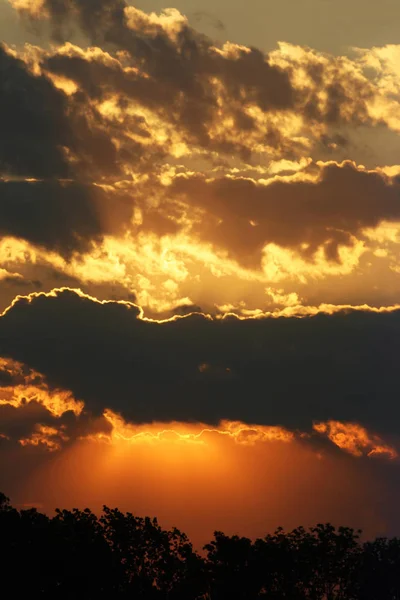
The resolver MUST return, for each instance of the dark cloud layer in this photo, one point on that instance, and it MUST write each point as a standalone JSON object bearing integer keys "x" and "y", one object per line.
{"x": 285, "y": 371}
{"x": 243, "y": 216}
{"x": 43, "y": 129}
{"x": 65, "y": 217}
{"x": 33, "y": 122}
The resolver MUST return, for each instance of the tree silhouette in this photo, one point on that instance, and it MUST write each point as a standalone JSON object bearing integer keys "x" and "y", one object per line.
{"x": 78, "y": 555}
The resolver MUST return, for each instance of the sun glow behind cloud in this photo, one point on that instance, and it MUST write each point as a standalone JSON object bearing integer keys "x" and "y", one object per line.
{"x": 171, "y": 209}
{"x": 198, "y": 476}
{"x": 207, "y": 483}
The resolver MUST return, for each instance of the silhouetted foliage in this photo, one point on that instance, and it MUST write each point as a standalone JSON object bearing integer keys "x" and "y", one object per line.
{"x": 76, "y": 554}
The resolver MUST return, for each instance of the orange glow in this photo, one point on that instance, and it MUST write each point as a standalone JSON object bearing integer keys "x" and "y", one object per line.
{"x": 50, "y": 437}
{"x": 355, "y": 439}
{"x": 350, "y": 437}
{"x": 172, "y": 175}
{"x": 209, "y": 483}
{"x": 240, "y": 433}
{"x": 237, "y": 477}
{"x": 35, "y": 8}
{"x": 57, "y": 402}
{"x": 170, "y": 20}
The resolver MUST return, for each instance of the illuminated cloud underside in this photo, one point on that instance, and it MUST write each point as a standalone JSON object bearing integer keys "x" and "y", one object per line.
{"x": 28, "y": 386}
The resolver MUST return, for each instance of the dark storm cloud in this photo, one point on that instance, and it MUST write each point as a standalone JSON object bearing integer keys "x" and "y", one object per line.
{"x": 33, "y": 122}
{"x": 65, "y": 217}
{"x": 41, "y": 127}
{"x": 243, "y": 216}
{"x": 285, "y": 371}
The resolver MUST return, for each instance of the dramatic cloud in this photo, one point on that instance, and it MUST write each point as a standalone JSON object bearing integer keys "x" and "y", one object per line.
{"x": 274, "y": 371}
{"x": 153, "y": 91}
{"x": 227, "y": 221}
{"x": 304, "y": 215}
{"x": 33, "y": 121}
{"x": 21, "y": 386}
{"x": 45, "y": 134}
{"x": 248, "y": 489}
{"x": 61, "y": 216}
{"x": 354, "y": 439}
{"x": 231, "y": 99}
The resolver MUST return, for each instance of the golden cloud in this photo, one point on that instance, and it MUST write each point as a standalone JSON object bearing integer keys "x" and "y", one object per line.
{"x": 355, "y": 439}
{"x": 49, "y": 437}
{"x": 27, "y": 385}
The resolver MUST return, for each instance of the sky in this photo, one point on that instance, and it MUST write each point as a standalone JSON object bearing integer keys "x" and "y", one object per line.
{"x": 199, "y": 261}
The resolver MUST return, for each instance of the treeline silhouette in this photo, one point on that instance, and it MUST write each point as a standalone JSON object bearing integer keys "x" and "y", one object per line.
{"x": 76, "y": 554}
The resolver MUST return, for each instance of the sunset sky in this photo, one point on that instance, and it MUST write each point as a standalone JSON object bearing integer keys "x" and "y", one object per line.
{"x": 200, "y": 260}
